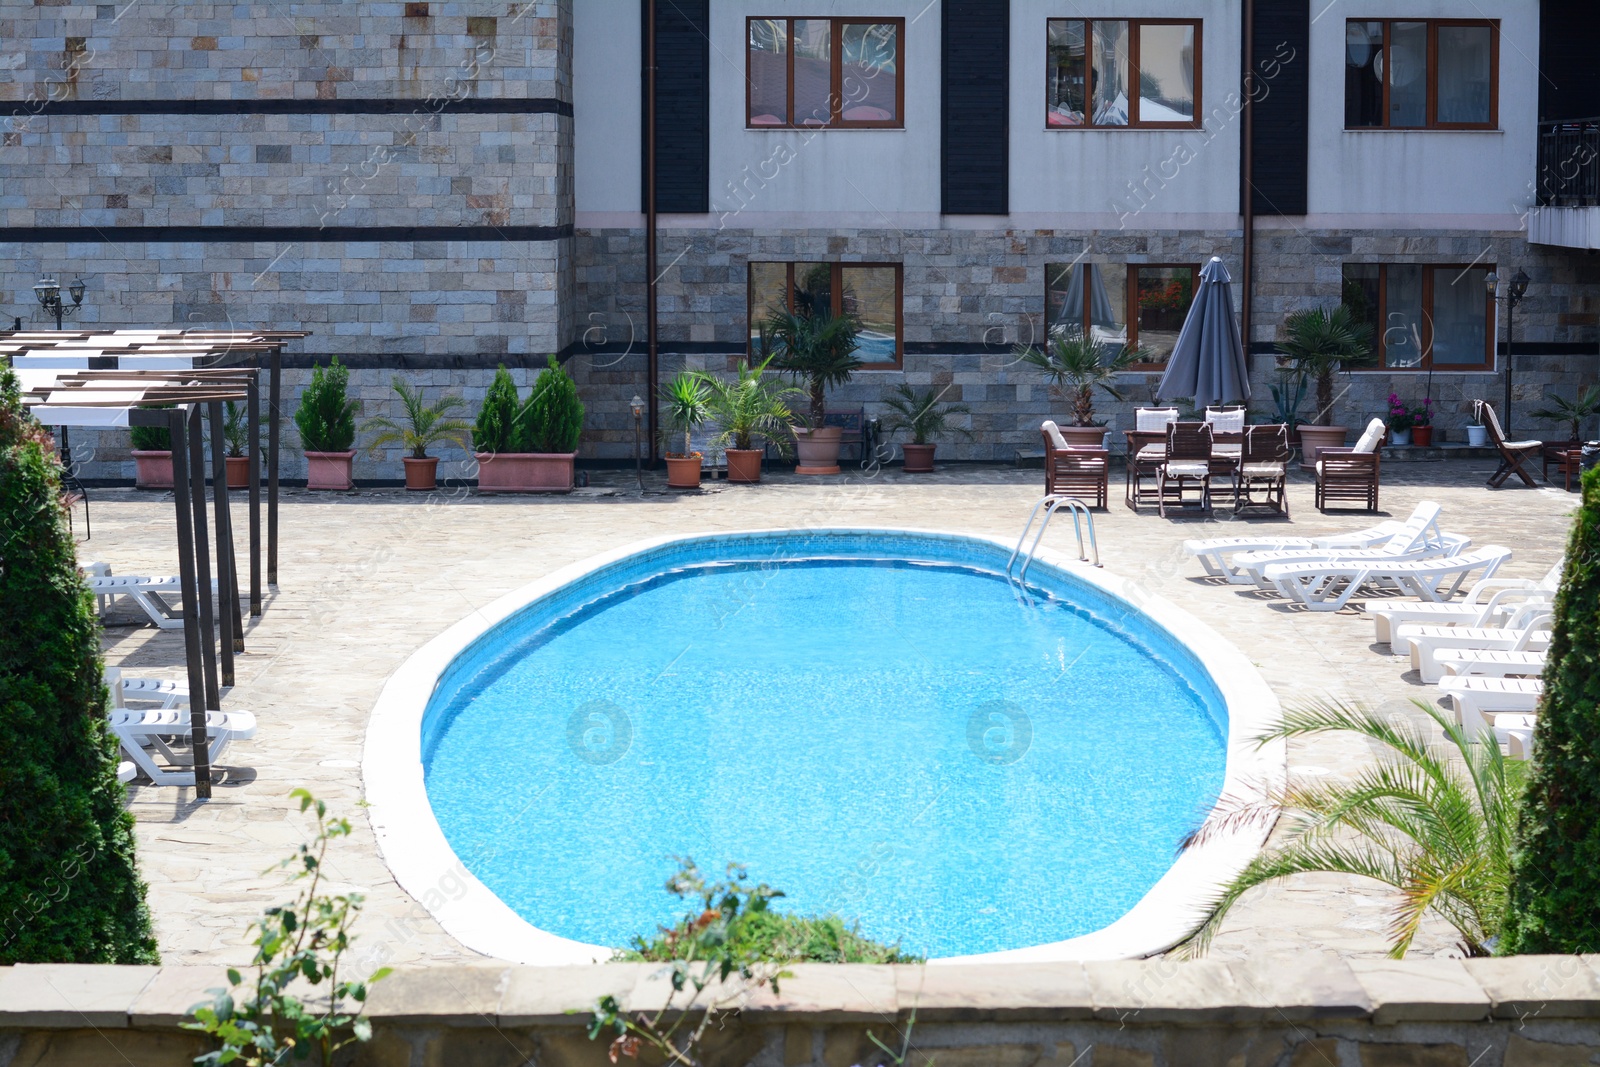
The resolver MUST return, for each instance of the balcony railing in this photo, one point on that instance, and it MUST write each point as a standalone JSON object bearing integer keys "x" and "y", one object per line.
{"x": 1569, "y": 163}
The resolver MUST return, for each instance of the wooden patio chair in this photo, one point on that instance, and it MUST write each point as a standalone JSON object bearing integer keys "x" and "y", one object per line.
{"x": 1146, "y": 452}
{"x": 1352, "y": 473}
{"x": 1188, "y": 460}
{"x": 1263, "y": 465}
{"x": 1513, "y": 454}
{"x": 1080, "y": 472}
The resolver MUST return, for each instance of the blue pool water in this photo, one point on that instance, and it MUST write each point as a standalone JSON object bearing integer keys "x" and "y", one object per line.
{"x": 874, "y": 723}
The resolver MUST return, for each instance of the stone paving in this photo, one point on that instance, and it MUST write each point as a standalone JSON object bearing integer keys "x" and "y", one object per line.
{"x": 368, "y": 577}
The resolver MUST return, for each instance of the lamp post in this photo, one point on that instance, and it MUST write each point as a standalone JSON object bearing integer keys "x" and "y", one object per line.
{"x": 1516, "y": 289}
{"x": 49, "y": 293}
{"x": 637, "y": 404}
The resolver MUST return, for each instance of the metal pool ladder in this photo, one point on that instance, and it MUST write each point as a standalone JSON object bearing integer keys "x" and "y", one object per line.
{"x": 1050, "y": 504}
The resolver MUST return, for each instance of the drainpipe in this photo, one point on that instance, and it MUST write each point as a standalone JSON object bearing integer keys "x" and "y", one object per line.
{"x": 1246, "y": 179}
{"x": 652, "y": 353}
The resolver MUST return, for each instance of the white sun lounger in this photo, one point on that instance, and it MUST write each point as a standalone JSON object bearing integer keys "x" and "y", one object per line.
{"x": 1479, "y": 701}
{"x": 1419, "y": 538}
{"x": 1517, "y": 732}
{"x": 1424, "y": 642}
{"x": 1328, "y": 586}
{"x": 1489, "y": 663}
{"x": 126, "y": 771}
{"x": 1213, "y": 553}
{"x": 148, "y": 593}
{"x": 138, "y": 729}
{"x": 1505, "y": 596}
{"x": 170, "y": 694}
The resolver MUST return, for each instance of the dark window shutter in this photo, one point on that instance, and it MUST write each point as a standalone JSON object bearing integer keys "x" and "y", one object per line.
{"x": 1282, "y": 86}
{"x": 974, "y": 168}
{"x": 1569, "y": 36}
{"x": 683, "y": 105}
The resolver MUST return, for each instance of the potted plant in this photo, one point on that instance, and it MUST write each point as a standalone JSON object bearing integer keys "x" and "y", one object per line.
{"x": 1287, "y": 396}
{"x": 236, "y": 444}
{"x": 326, "y": 419}
{"x": 152, "y": 457}
{"x": 923, "y": 416}
{"x": 1318, "y": 344}
{"x": 1399, "y": 420}
{"x": 688, "y": 407}
{"x": 529, "y": 447}
{"x": 424, "y": 425}
{"x": 1571, "y": 412}
{"x": 1077, "y": 365}
{"x": 750, "y": 406}
{"x": 1422, "y": 423}
{"x": 817, "y": 348}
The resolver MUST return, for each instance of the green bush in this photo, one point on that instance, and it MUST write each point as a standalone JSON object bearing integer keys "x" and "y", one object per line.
{"x": 553, "y": 414}
{"x": 1555, "y": 870}
{"x": 151, "y": 438}
{"x": 499, "y": 429}
{"x": 326, "y": 418}
{"x": 69, "y": 888}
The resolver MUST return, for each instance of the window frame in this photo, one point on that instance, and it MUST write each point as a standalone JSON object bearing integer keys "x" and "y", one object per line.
{"x": 1425, "y": 344}
{"x": 836, "y": 287}
{"x": 1134, "y": 45}
{"x": 1130, "y": 299}
{"x": 1430, "y": 119}
{"x": 836, "y": 24}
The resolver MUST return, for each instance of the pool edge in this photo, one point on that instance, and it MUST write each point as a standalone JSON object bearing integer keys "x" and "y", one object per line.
{"x": 414, "y": 848}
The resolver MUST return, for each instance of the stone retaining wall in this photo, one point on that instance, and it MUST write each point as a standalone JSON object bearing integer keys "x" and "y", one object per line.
{"x": 1319, "y": 1011}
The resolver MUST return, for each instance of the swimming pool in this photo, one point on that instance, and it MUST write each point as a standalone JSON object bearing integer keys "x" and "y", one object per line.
{"x": 877, "y": 722}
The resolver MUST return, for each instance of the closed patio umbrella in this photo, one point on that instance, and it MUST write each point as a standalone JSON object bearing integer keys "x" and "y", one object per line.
{"x": 1207, "y": 365}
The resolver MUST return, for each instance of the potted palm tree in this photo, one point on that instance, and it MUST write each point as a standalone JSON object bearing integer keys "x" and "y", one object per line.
{"x": 924, "y": 417}
{"x": 753, "y": 405}
{"x": 818, "y": 348}
{"x": 424, "y": 425}
{"x": 687, "y": 402}
{"x": 530, "y": 447}
{"x": 1571, "y": 412}
{"x": 1076, "y": 366}
{"x": 236, "y": 444}
{"x": 152, "y": 457}
{"x": 1318, "y": 343}
{"x": 326, "y": 419}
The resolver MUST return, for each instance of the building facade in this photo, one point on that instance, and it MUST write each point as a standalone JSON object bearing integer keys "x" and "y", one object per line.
{"x": 438, "y": 188}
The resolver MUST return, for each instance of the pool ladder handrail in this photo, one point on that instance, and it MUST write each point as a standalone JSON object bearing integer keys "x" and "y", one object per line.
{"x": 1051, "y": 503}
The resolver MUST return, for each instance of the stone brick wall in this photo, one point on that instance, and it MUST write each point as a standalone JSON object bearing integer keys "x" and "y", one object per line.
{"x": 1534, "y": 1011}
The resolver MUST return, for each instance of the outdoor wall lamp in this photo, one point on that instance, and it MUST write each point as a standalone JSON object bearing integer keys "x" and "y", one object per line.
{"x": 1516, "y": 289}
{"x": 49, "y": 293}
{"x": 637, "y": 404}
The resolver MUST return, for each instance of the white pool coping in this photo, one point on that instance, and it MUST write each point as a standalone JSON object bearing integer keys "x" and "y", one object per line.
{"x": 422, "y": 861}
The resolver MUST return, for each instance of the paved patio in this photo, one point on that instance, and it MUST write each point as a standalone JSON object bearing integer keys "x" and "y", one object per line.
{"x": 368, "y": 577}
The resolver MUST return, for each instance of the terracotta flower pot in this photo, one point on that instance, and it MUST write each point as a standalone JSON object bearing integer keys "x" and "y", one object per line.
{"x": 152, "y": 470}
{"x": 1422, "y": 436}
{"x": 525, "y": 472}
{"x": 238, "y": 471}
{"x": 329, "y": 470}
{"x": 683, "y": 472}
{"x": 422, "y": 475}
{"x": 818, "y": 450}
{"x": 919, "y": 458}
{"x": 1315, "y": 438}
{"x": 744, "y": 465}
{"x": 1084, "y": 436}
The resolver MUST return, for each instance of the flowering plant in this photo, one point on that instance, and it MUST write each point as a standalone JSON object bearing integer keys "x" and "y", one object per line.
{"x": 1402, "y": 417}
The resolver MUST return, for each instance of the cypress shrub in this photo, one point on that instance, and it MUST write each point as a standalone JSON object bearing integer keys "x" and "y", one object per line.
{"x": 499, "y": 427}
{"x": 1555, "y": 873}
{"x": 553, "y": 413}
{"x": 151, "y": 438}
{"x": 69, "y": 888}
{"x": 326, "y": 418}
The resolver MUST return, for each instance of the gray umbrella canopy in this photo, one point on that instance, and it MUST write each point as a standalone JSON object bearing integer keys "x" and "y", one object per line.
{"x": 1207, "y": 364}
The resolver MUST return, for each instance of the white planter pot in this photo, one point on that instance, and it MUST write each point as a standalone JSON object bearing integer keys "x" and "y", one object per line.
{"x": 1477, "y": 436}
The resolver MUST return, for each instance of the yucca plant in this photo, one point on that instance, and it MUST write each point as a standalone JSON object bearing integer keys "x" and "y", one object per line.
{"x": 424, "y": 424}
{"x": 1077, "y": 365}
{"x": 752, "y": 405}
{"x": 687, "y": 402}
{"x": 1432, "y": 820}
{"x": 1571, "y": 412}
{"x": 1318, "y": 343}
{"x": 921, "y": 414}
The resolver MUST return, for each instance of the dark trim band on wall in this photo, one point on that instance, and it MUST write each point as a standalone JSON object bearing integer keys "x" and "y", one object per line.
{"x": 1524, "y": 348}
{"x": 441, "y": 105}
{"x": 279, "y": 234}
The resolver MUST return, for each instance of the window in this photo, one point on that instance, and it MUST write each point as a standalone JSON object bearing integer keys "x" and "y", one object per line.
{"x": 1091, "y": 64}
{"x": 1094, "y": 298}
{"x": 825, "y": 73}
{"x": 1436, "y": 75}
{"x": 1424, "y": 316}
{"x": 870, "y": 291}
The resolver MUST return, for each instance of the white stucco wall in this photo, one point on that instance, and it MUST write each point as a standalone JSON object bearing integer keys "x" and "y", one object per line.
{"x": 607, "y": 126}
{"x": 1406, "y": 179}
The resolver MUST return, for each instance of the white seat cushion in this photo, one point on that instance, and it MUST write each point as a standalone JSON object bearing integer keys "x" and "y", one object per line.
{"x": 1226, "y": 421}
{"x": 1187, "y": 469}
{"x": 1149, "y": 420}
{"x": 1262, "y": 470}
{"x": 1370, "y": 437}
{"x": 1053, "y": 432}
{"x": 1524, "y": 444}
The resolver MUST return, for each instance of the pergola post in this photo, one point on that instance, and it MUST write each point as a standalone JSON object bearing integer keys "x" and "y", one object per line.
{"x": 191, "y": 595}
{"x": 227, "y": 588}
{"x": 254, "y": 453}
{"x": 274, "y": 400}
{"x": 211, "y": 696}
